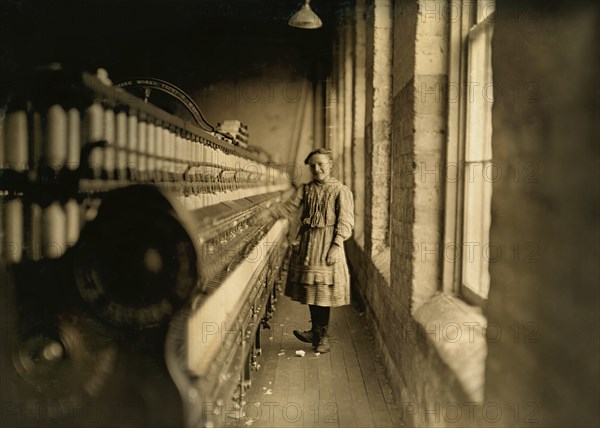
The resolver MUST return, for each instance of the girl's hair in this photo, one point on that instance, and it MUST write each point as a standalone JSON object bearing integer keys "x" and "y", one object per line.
{"x": 319, "y": 151}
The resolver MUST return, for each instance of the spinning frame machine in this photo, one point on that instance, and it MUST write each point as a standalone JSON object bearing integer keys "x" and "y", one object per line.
{"x": 140, "y": 261}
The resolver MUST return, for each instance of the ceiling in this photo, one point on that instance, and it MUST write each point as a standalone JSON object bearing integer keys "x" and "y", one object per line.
{"x": 115, "y": 31}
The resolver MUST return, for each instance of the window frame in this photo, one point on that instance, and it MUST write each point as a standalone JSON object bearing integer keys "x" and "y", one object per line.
{"x": 471, "y": 23}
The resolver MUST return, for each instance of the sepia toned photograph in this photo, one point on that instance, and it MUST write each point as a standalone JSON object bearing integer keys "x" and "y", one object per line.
{"x": 296, "y": 213}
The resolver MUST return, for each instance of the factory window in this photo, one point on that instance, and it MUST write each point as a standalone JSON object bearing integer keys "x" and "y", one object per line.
{"x": 470, "y": 150}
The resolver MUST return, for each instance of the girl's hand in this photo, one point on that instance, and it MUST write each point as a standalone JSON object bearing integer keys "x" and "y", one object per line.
{"x": 332, "y": 254}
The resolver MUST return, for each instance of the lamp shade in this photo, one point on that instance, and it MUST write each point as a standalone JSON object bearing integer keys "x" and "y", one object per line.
{"x": 305, "y": 18}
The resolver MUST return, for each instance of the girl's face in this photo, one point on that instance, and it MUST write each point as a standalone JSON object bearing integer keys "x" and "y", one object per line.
{"x": 320, "y": 166}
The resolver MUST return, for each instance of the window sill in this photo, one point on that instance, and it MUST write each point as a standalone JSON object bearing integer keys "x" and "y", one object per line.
{"x": 457, "y": 331}
{"x": 473, "y": 298}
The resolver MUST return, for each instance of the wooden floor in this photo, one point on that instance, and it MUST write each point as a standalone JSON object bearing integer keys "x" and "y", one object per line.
{"x": 344, "y": 388}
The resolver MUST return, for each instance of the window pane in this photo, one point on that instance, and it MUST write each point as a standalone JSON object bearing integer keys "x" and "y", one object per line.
{"x": 476, "y": 249}
{"x": 479, "y": 171}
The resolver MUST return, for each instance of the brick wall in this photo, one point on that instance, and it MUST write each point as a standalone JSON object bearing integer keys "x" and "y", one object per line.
{"x": 429, "y": 124}
{"x": 378, "y": 124}
{"x": 420, "y": 370}
{"x": 358, "y": 122}
{"x": 544, "y": 297}
{"x": 403, "y": 137}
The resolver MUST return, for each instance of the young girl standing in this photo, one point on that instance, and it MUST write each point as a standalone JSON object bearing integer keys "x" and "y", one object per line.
{"x": 318, "y": 273}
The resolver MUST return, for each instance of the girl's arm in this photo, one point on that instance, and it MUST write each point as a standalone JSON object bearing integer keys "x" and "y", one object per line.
{"x": 345, "y": 220}
{"x": 290, "y": 207}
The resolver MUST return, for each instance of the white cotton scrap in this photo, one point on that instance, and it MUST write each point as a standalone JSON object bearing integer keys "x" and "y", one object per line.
{"x": 281, "y": 353}
{"x": 269, "y": 392}
{"x": 300, "y": 353}
{"x": 236, "y": 415}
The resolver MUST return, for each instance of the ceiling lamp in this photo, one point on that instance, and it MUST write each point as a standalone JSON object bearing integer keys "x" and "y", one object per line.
{"x": 305, "y": 18}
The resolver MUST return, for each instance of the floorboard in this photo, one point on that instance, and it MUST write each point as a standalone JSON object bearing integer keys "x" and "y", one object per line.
{"x": 344, "y": 388}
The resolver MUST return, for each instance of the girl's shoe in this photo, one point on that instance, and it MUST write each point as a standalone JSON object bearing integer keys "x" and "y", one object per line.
{"x": 304, "y": 336}
{"x": 323, "y": 346}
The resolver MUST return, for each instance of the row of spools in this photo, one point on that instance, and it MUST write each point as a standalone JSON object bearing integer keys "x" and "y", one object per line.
{"x": 41, "y": 151}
